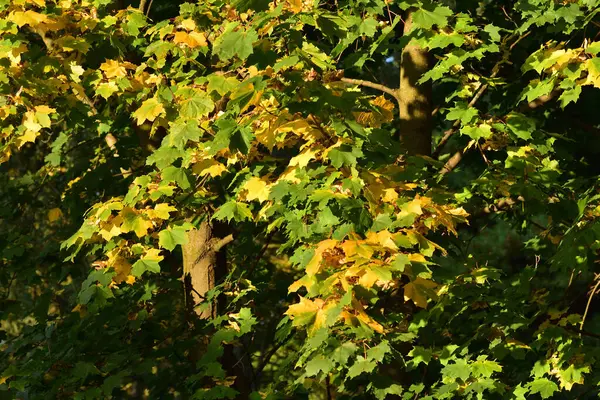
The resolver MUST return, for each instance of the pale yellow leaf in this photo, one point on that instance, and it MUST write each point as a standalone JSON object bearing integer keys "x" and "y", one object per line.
{"x": 113, "y": 69}
{"x": 257, "y": 189}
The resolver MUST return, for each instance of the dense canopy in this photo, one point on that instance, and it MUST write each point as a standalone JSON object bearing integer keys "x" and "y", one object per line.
{"x": 299, "y": 199}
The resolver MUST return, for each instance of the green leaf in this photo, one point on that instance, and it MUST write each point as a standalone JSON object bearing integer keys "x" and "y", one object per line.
{"x": 360, "y": 366}
{"x": 462, "y": 112}
{"x": 232, "y": 210}
{"x": 477, "y": 132}
{"x": 180, "y": 133}
{"x": 221, "y": 84}
{"x": 484, "y": 367}
{"x": 520, "y": 125}
{"x": 171, "y": 237}
{"x": 177, "y": 175}
{"x": 570, "y": 96}
{"x": 318, "y": 364}
{"x": 378, "y": 352}
{"x": 437, "y": 15}
{"x": 197, "y": 106}
{"x": 343, "y": 352}
{"x": 459, "y": 370}
{"x": 420, "y": 355}
{"x": 149, "y": 263}
{"x": 545, "y": 387}
{"x": 344, "y": 155}
{"x": 233, "y": 42}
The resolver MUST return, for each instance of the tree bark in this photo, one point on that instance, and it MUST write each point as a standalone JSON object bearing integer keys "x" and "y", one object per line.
{"x": 414, "y": 101}
{"x": 201, "y": 266}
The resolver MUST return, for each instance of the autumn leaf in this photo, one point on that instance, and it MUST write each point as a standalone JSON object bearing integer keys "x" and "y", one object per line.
{"x": 257, "y": 189}
{"x": 148, "y": 111}
{"x": 419, "y": 291}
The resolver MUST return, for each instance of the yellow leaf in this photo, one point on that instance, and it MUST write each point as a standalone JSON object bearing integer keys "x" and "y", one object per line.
{"x": 54, "y": 215}
{"x": 29, "y": 17}
{"x": 389, "y": 196}
{"x": 357, "y": 247}
{"x": 419, "y": 291}
{"x": 188, "y": 24}
{"x": 113, "y": 69}
{"x": 28, "y": 137}
{"x": 294, "y": 5}
{"x": 209, "y": 167}
{"x": 302, "y": 159}
{"x": 110, "y": 229}
{"x": 383, "y": 239}
{"x": 383, "y": 113}
{"x": 149, "y": 110}
{"x": 161, "y": 211}
{"x": 303, "y": 307}
{"x": 192, "y": 39}
{"x": 413, "y": 206}
{"x": 121, "y": 266}
{"x": 257, "y": 189}
{"x": 314, "y": 265}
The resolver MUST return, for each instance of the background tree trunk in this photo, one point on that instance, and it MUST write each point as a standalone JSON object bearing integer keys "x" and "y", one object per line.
{"x": 414, "y": 100}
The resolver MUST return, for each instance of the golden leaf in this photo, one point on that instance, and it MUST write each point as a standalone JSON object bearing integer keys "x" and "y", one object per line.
{"x": 257, "y": 189}
{"x": 419, "y": 291}
{"x": 161, "y": 211}
{"x": 314, "y": 266}
{"x": 302, "y": 159}
{"x": 209, "y": 167}
{"x": 29, "y": 17}
{"x": 188, "y": 24}
{"x": 192, "y": 39}
{"x": 113, "y": 69}
{"x": 54, "y": 215}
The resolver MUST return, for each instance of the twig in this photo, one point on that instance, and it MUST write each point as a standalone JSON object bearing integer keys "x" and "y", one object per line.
{"x": 587, "y": 307}
{"x": 373, "y": 85}
{"x": 149, "y": 7}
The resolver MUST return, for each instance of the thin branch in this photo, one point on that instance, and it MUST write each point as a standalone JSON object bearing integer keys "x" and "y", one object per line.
{"x": 372, "y": 85}
{"x": 149, "y": 7}
{"x": 587, "y": 307}
{"x": 220, "y": 243}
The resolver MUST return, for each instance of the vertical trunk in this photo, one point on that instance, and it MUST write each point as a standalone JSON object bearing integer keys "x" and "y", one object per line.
{"x": 415, "y": 100}
{"x": 204, "y": 264}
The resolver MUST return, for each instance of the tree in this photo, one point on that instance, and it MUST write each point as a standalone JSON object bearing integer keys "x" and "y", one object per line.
{"x": 238, "y": 199}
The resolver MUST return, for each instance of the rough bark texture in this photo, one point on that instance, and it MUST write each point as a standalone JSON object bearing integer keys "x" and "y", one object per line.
{"x": 199, "y": 265}
{"x": 414, "y": 100}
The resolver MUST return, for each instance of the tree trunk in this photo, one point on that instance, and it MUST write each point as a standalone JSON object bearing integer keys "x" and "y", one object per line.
{"x": 414, "y": 100}
{"x": 201, "y": 266}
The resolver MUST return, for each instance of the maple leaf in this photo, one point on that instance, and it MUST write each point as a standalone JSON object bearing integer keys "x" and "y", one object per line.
{"x": 314, "y": 265}
{"x": 113, "y": 69}
{"x": 419, "y": 291}
{"x": 161, "y": 211}
{"x": 192, "y": 39}
{"x": 257, "y": 189}
{"x": 148, "y": 111}
{"x": 133, "y": 221}
{"x": 209, "y": 167}
{"x": 149, "y": 262}
{"x": 302, "y": 159}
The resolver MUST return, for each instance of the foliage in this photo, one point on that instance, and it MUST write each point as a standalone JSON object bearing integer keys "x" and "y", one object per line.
{"x": 356, "y": 270}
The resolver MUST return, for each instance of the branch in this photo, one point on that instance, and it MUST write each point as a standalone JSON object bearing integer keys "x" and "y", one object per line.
{"x": 587, "y": 307}
{"x": 476, "y": 97}
{"x": 372, "y": 85}
{"x": 218, "y": 244}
